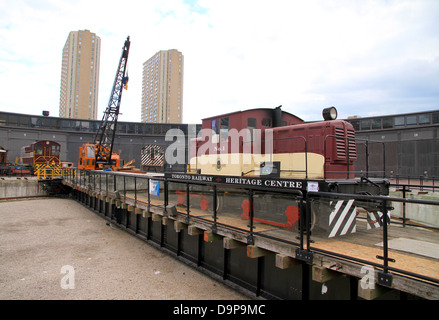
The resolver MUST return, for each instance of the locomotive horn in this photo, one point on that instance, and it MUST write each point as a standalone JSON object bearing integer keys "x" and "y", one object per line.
{"x": 330, "y": 113}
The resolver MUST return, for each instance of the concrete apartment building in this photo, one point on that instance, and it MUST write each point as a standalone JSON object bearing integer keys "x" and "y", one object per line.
{"x": 80, "y": 76}
{"x": 162, "y": 88}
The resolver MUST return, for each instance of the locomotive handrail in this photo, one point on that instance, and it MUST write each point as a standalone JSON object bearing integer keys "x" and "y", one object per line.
{"x": 421, "y": 187}
{"x": 372, "y": 197}
{"x": 367, "y": 141}
{"x": 306, "y": 245}
{"x": 305, "y": 151}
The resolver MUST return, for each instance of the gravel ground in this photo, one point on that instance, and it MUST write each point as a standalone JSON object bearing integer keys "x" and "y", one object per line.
{"x": 58, "y": 249}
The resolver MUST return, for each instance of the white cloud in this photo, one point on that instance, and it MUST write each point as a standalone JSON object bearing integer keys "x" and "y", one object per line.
{"x": 305, "y": 55}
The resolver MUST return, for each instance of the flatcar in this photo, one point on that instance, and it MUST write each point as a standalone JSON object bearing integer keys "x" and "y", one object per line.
{"x": 273, "y": 149}
{"x": 41, "y": 153}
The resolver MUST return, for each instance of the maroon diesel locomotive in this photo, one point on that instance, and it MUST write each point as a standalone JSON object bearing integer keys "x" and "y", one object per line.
{"x": 267, "y": 149}
{"x": 265, "y": 141}
{"x": 40, "y": 153}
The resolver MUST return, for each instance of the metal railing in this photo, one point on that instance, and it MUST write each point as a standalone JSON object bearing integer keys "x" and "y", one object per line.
{"x": 204, "y": 202}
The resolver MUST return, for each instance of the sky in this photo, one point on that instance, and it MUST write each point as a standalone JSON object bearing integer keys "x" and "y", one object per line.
{"x": 366, "y": 58}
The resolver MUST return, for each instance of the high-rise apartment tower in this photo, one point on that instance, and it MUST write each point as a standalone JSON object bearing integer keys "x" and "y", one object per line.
{"x": 80, "y": 76}
{"x": 162, "y": 88}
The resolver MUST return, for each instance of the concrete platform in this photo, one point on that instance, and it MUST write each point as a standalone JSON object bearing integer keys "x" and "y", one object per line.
{"x": 44, "y": 242}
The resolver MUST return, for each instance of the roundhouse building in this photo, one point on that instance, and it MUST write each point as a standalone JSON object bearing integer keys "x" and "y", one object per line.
{"x": 404, "y": 145}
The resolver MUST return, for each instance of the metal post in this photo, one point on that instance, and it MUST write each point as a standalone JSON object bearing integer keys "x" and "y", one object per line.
{"x": 384, "y": 160}
{"x": 308, "y": 223}
{"x": 187, "y": 202}
{"x": 367, "y": 158}
{"x": 403, "y": 206}
{"x": 124, "y": 190}
{"x": 165, "y": 213}
{"x": 135, "y": 191}
{"x": 214, "y": 208}
{"x": 385, "y": 237}
{"x": 384, "y": 277}
{"x": 347, "y": 152}
{"x": 149, "y": 194}
{"x": 250, "y": 239}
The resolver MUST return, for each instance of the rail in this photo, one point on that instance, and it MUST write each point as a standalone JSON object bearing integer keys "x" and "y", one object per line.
{"x": 217, "y": 204}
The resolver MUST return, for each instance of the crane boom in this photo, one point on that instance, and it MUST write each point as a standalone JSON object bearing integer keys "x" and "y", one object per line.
{"x": 104, "y": 138}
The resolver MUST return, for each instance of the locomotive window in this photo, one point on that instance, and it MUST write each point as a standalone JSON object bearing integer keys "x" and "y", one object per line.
{"x": 55, "y": 150}
{"x": 251, "y": 125}
{"x": 266, "y": 122}
{"x": 215, "y": 126}
{"x": 215, "y": 131}
{"x": 38, "y": 149}
{"x": 224, "y": 129}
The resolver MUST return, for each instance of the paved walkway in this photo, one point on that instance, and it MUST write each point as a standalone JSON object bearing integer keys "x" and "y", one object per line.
{"x": 58, "y": 249}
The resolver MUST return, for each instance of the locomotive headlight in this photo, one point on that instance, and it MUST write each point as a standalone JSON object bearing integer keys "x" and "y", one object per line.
{"x": 330, "y": 113}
